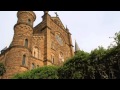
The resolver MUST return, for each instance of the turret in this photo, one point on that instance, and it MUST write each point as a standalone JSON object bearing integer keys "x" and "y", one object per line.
{"x": 76, "y": 47}
{"x": 23, "y": 30}
{"x": 26, "y": 17}
{"x": 17, "y": 60}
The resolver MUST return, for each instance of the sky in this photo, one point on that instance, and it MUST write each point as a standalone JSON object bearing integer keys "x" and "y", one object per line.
{"x": 89, "y": 28}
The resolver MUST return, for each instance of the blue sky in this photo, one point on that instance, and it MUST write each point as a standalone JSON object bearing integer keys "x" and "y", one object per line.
{"x": 90, "y": 28}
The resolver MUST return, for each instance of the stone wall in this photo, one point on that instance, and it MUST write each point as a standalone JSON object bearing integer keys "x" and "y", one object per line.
{"x": 43, "y": 46}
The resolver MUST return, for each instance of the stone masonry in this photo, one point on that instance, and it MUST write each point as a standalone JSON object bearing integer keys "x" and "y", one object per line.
{"x": 48, "y": 43}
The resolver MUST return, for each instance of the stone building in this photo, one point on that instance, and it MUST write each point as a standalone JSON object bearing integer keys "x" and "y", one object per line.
{"x": 48, "y": 43}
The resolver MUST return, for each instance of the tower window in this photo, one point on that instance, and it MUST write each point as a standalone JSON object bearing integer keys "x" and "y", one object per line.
{"x": 29, "y": 21}
{"x": 26, "y": 42}
{"x": 24, "y": 60}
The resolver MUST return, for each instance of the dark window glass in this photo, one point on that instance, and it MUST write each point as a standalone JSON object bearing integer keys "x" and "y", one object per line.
{"x": 29, "y": 21}
{"x": 26, "y": 42}
{"x": 24, "y": 60}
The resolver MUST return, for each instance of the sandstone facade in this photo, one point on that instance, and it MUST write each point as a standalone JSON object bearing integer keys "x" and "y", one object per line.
{"x": 48, "y": 43}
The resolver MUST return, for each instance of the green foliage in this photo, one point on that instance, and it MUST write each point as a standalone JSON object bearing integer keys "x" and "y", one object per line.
{"x": 76, "y": 67}
{"x": 47, "y": 72}
{"x": 99, "y": 64}
{"x": 97, "y": 53}
{"x": 2, "y": 69}
{"x": 117, "y": 38}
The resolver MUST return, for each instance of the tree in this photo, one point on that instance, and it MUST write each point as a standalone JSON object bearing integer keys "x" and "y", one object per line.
{"x": 117, "y": 38}
{"x": 76, "y": 67}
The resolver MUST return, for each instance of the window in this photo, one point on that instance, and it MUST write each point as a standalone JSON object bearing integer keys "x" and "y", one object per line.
{"x": 33, "y": 65}
{"x": 26, "y": 42}
{"x": 24, "y": 60}
{"x": 52, "y": 45}
{"x": 61, "y": 57}
{"x": 36, "y": 52}
{"x": 38, "y": 66}
{"x": 52, "y": 59}
{"x": 59, "y": 39}
{"x": 29, "y": 21}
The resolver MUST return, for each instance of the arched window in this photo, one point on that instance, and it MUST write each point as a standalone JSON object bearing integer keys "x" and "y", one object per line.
{"x": 36, "y": 52}
{"x": 29, "y": 21}
{"x": 33, "y": 65}
{"x": 61, "y": 57}
{"x": 24, "y": 60}
{"x": 52, "y": 59}
{"x": 52, "y": 45}
{"x": 26, "y": 42}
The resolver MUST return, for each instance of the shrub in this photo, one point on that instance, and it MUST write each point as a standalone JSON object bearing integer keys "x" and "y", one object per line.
{"x": 47, "y": 72}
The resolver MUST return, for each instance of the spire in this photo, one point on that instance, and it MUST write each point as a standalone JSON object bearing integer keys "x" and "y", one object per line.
{"x": 76, "y": 47}
{"x": 66, "y": 27}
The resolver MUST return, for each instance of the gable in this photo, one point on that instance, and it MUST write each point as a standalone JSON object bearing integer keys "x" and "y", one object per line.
{"x": 58, "y": 22}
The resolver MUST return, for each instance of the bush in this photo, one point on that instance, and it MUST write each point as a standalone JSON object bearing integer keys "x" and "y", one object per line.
{"x": 75, "y": 68}
{"x": 47, "y": 72}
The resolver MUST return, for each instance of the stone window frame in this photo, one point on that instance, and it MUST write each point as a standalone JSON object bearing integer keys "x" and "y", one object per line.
{"x": 61, "y": 57}
{"x": 24, "y": 60}
{"x": 60, "y": 37}
{"x": 26, "y": 43}
{"x": 29, "y": 21}
{"x": 53, "y": 58}
{"x": 34, "y": 52}
{"x": 52, "y": 45}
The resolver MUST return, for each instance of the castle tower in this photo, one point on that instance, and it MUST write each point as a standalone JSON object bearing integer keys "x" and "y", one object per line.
{"x": 23, "y": 30}
{"x": 48, "y": 43}
{"x": 17, "y": 60}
